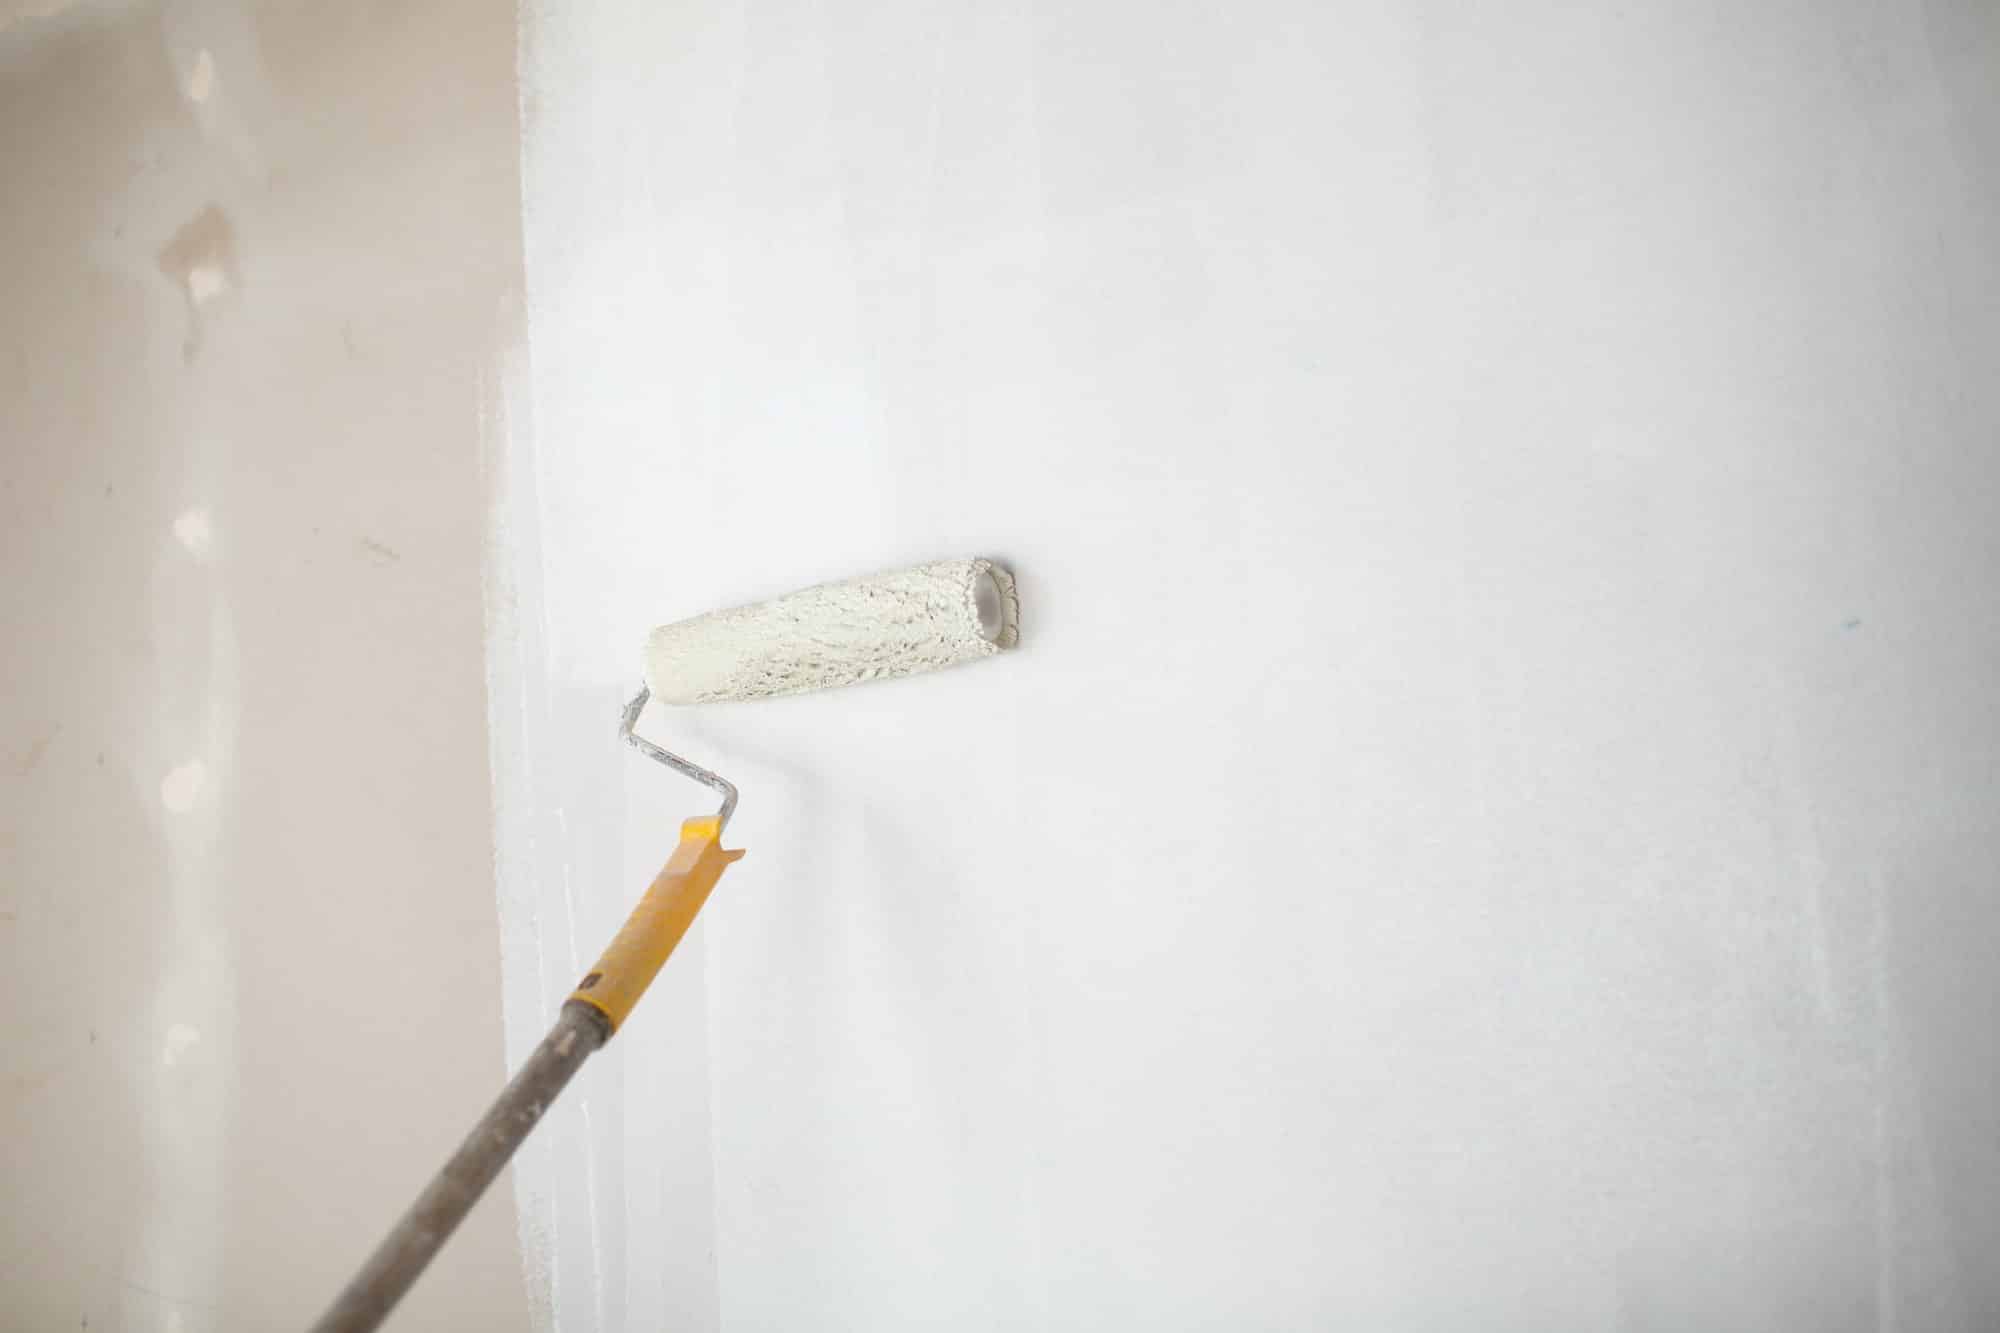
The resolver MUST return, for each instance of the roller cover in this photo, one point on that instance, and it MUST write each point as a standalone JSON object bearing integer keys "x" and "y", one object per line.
{"x": 871, "y": 628}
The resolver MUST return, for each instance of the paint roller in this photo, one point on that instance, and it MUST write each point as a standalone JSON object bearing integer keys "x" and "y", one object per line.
{"x": 873, "y": 628}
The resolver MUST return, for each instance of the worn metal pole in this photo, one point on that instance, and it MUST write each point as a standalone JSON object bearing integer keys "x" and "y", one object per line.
{"x": 398, "y": 1260}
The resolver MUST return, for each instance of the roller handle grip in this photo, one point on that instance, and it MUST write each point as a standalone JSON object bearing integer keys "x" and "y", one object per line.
{"x": 634, "y": 957}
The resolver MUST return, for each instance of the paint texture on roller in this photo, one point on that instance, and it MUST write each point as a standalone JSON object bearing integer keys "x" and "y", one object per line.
{"x": 871, "y": 628}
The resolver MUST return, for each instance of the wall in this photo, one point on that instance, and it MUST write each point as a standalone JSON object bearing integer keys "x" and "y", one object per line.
{"x": 1490, "y": 826}
{"x": 255, "y": 262}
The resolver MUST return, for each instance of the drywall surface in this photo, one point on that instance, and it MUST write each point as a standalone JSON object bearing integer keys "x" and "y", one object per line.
{"x": 253, "y": 261}
{"x": 1491, "y": 824}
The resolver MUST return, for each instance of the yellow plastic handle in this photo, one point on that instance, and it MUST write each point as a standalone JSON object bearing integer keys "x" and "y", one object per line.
{"x": 635, "y": 956}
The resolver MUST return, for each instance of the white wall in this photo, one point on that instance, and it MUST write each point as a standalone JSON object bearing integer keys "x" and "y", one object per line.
{"x": 1491, "y": 826}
